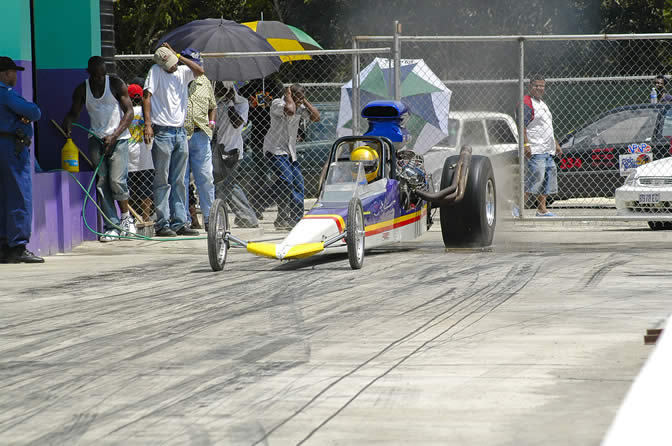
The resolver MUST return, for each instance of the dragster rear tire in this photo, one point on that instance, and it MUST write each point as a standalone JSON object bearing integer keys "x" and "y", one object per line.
{"x": 355, "y": 234}
{"x": 218, "y": 227}
{"x": 471, "y": 222}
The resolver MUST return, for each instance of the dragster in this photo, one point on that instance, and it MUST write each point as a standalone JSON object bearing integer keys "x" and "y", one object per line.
{"x": 374, "y": 191}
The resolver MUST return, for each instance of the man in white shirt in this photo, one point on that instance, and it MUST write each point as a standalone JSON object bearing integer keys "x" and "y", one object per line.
{"x": 541, "y": 176}
{"x": 110, "y": 109}
{"x": 165, "y": 106}
{"x": 232, "y": 115}
{"x": 280, "y": 147}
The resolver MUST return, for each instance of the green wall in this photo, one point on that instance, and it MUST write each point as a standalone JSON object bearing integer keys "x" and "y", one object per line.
{"x": 59, "y": 40}
{"x": 15, "y": 30}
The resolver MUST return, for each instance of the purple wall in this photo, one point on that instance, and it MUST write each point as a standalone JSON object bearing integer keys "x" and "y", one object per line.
{"x": 54, "y": 95}
{"x": 57, "y": 208}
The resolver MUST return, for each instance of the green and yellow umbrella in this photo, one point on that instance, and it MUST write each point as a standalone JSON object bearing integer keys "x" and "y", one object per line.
{"x": 284, "y": 37}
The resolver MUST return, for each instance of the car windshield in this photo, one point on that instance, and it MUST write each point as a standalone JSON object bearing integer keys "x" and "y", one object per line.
{"x": 667, "y": 125}
{"x": 343, "y": 181}
{"x": 618, "y": 128}
{"x": 325, "y": 128}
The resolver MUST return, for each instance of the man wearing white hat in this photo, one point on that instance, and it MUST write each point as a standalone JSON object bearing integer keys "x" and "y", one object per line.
{"x": 165, "y": 106}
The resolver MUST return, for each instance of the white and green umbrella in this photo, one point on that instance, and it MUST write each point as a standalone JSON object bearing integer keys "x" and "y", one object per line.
{"x": 422, "y": 91}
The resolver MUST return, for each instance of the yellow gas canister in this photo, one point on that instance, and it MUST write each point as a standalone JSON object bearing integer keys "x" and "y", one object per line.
{"x": 70, "y": 156}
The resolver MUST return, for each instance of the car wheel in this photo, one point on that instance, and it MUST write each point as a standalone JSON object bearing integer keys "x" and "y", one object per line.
{"x": 471, "y": 222}
{"x": 218, "y": 226}
{"x": 355, "y": 234}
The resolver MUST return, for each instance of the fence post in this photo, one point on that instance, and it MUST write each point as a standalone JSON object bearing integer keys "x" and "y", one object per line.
{"x": 521, "y": 127}
{"x": 355, "y": 88}
{"x": 396, "y": 49}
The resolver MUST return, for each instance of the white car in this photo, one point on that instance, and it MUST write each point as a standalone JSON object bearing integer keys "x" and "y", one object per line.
{"x": 488, "y": 133}
{"x": 648, "y": 191}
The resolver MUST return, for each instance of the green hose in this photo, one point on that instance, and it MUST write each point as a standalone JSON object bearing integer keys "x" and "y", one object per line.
{"x": 87, "y": 191}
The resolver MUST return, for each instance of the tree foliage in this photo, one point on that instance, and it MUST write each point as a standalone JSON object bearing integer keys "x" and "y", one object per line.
{"x": 333, "y": 23}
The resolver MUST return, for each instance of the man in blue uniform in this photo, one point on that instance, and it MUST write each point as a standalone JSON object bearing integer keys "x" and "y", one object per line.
{"x": 16, "y": 188}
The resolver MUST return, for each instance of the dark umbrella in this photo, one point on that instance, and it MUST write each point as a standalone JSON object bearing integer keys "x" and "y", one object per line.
{"x": 225, "y": 36}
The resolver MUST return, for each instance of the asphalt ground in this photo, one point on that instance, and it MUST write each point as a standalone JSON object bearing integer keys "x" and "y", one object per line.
{"x": 533, "y": 341}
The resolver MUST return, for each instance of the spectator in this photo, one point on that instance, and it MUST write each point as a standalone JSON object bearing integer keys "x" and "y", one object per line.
{"x": 541, "y": 177}
{"x": 16, "y": 187}
{"x": 140, "y": 167}
{"x": 165, "y": 105}
{"x": 260, "y": 95}
{"x": 200, "y": 122}
{"x": 233, "y": 113}
{"x": 280, "y": 147}
{"x": 660, "y": 84}
{"x": 110, "y": 109}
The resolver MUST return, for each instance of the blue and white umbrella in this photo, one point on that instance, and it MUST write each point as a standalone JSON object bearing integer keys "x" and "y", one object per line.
{"x": 421, "y": 90}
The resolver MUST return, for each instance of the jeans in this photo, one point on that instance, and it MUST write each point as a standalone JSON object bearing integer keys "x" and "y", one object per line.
{"x": 200, "y": 163}
{"x": 262, "y": 196}
{"x": 541, "y": 175}
{"x": 227, "y": 189}
{"x": 288, "y": 188}
{"x": 112, "y": 182}
{"x": 169, "y": 154}
{"x": 16, "y": 194}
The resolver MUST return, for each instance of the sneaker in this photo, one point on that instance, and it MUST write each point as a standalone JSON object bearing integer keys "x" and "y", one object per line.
{"x": 283, "y": 226}
{"x": 243, "y": 224}
{"x": 186, "y": 230}
{"x": 206, "y": 226}
{"x": 515, "y": 211}
{"x": 19, "y": 254}
{"x": 4, "y": 252}
{"x": 111, "y": 235}
{"x": 165, "y": 232}
{"x": 545, "y": 214}
{"x": 128, "y": 226}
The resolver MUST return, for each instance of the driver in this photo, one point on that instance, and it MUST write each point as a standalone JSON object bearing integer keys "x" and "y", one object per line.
{"x": 369, "y": 158}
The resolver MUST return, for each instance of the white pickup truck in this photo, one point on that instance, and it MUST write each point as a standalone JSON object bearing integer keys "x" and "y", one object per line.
{"x": 488, "y": 133}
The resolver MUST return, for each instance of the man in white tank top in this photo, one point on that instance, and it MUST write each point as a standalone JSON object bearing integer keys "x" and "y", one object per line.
{"x": 165, "y": 107}
{"x": 110, "y": 109}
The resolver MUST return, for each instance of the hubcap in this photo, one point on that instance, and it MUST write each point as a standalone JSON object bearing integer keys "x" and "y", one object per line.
{"x": 360, "y": 234}
{"x": 490, "y": 202}
{"x": 221, "y": 243}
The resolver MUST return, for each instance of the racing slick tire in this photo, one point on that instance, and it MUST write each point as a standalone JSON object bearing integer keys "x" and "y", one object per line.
{"x": 660, "y": 225}
{"x": 355, "y": 235}
{"x": 218, "y": 227}
{"x": 471, "y": 222}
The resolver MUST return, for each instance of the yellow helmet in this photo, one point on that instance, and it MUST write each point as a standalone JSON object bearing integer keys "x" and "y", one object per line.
{"x": 369, "y": 158}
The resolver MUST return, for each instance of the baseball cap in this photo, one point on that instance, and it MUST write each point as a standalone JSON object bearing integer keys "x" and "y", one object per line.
{"x": 134, "y": 91}
{"x": 193, "y": 54}
{"x": 8, "y": 64}
{"x": 165, "y": 58}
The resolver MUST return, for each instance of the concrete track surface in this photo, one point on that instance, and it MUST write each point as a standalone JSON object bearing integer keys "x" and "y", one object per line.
{"x": 533, "y": 342}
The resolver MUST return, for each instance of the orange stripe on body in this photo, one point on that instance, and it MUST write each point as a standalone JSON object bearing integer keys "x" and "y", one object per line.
{"x": 340, "y": 223}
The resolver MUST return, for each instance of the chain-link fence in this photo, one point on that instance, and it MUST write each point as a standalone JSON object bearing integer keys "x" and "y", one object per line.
{"x": 598, "y": 98}
{"x": 598, "y": 90}
{"x": 250, "y": 185}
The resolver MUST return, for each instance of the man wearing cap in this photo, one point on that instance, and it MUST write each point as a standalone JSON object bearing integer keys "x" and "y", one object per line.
{"x": 199, "y": 123}
{"x": 165, "y": 107}
{"x": 16, "y": 187}
{"x": 111, "y": 112}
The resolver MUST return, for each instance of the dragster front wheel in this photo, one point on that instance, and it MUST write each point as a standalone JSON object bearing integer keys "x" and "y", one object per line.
{"x": 355, "y": 233}
{"x": 218, "y": 227}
